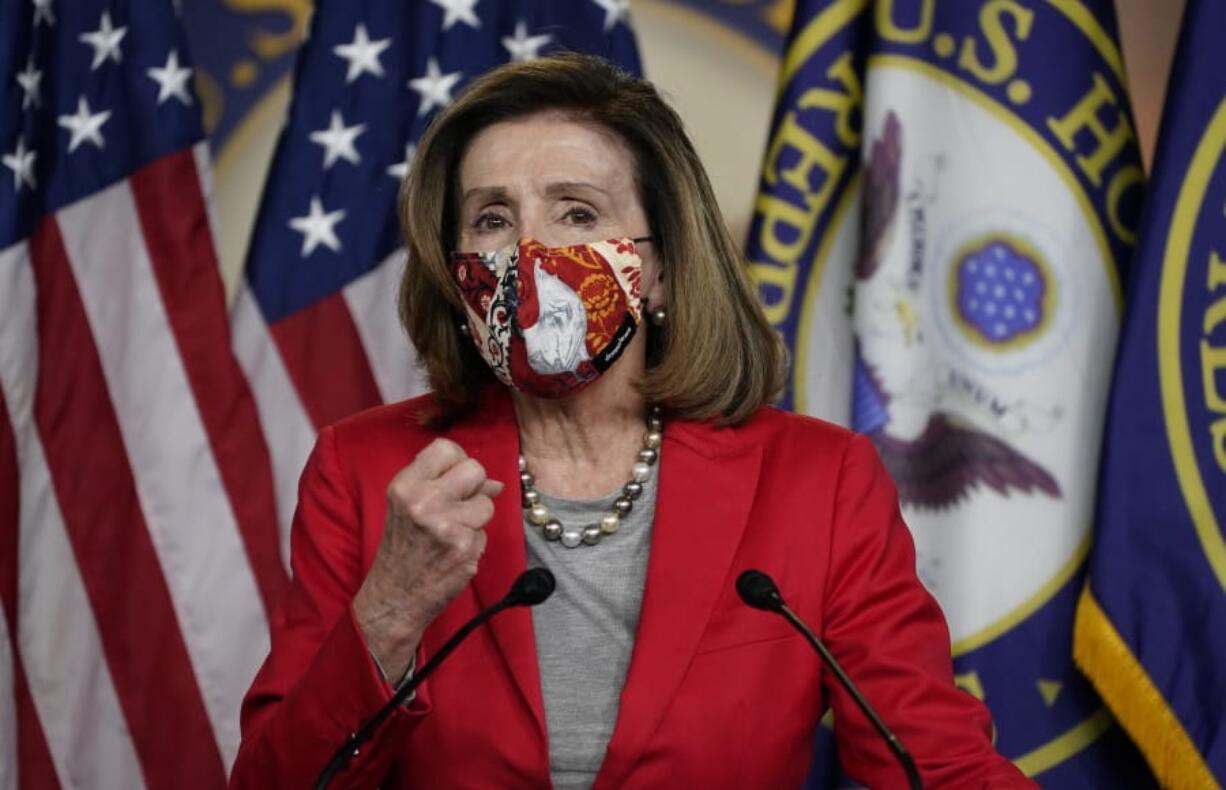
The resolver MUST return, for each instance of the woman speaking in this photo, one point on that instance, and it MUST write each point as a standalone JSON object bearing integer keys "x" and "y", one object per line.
{"x": 600, "y": 371}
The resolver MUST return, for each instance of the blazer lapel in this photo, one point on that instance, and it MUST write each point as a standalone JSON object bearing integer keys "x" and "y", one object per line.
{"x": 492, "y": 439}
{"x": 694, "y": 539}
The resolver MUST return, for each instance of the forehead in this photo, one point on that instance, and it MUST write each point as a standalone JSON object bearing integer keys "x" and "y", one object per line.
{"x": 545, "y": 147}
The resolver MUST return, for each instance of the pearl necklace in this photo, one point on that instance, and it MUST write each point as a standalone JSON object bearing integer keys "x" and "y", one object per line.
{"x": 571, "y": 537}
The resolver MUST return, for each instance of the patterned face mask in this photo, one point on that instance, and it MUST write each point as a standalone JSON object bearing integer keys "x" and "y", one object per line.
{"x": 548, "y": 321}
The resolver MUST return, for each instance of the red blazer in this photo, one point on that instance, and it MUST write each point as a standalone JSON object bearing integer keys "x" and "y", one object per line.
{"x": 717, "y": 694}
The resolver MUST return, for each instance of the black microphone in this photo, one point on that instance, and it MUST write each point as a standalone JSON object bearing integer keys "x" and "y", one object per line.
{"x": 759, "y": 591}
{"x": 531, "y": 588}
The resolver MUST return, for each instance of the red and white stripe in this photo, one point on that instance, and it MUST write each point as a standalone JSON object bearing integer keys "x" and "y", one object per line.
{"x": 144, "y": 552}
{"x": 26, "y": 757}
{"x": 345, "y": 353}
{"x": 8, "y": 713}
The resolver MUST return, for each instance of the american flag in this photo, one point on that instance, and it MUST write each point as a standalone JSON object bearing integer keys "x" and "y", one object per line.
{"x": 139, "y": 502}
{"x": 138, "y": 548}
{"x": 315, "y": 321}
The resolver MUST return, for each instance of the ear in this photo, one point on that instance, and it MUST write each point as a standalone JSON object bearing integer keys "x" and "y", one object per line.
{"x": 655, "y": 291}
{"x": 656, "y": 296}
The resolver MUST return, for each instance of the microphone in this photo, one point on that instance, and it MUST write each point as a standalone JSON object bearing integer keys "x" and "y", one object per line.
{"x": 759, "y": 591}
{"x": 532, "y": 587}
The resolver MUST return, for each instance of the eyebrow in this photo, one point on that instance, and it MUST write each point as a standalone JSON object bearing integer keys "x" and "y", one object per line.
{"x": 561, "y": 187}
{"x": 485, "y": 193}
{"x": 552, "y": 190}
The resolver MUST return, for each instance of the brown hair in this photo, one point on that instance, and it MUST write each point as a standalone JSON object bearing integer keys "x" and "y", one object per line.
{"x": 717, "y": 358}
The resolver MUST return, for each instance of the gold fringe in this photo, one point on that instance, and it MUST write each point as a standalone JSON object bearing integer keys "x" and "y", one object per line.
{"x": 1137, "y": 703}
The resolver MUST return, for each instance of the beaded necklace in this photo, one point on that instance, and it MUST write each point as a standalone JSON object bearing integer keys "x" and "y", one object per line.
{"x": 573, "y": 536}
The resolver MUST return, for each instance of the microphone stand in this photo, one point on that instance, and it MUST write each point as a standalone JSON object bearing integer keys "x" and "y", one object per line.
{"x": 900, "y": 751}
{"x": 529, "y": 590}
{"x": 759, "y": 591}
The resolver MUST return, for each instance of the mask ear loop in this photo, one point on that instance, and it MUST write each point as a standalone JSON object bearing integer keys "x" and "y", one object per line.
{"x": 650, "y": 238}
{"x": 656, "y": 316}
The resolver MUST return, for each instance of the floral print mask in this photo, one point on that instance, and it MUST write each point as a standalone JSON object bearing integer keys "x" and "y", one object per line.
{"x": 549, "y": 320}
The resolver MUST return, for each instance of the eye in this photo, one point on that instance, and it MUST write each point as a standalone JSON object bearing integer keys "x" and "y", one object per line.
{"x": 489, "y": 222}
{"x": 580, "y": 215}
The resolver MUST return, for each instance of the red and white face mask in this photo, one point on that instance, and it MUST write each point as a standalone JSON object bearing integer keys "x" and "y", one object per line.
{"x": 548, "y": 321}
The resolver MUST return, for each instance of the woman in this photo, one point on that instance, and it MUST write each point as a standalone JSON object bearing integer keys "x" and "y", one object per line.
{"x": 600, "y": 369}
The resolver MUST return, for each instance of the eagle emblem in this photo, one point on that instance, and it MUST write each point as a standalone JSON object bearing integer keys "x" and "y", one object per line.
{"x": 901, "y": 400}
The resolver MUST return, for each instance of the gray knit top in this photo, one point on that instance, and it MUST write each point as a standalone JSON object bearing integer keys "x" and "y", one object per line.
{"x": 585, "y": 631}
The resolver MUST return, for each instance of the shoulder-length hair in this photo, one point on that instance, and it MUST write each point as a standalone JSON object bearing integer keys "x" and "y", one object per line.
{"x": 716, "y": 358}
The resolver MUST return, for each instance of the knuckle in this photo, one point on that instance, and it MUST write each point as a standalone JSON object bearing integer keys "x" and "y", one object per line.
{"x": 418, "y": 510}
{"x": 445, "y": 449}
{"x": 471, "y": 470}
{"x": 477, "y": 550}
{"x": 461, "y": 543}
{"x": 448, "y": 531}
{"x": 444, "y": 529}
{"x": 400, "y": 489}
{"x": 443, "y": 443}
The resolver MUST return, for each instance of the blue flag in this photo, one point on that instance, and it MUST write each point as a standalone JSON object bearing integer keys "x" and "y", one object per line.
{"x": 948, "y": 197}
{"x": 1151, "y": 626}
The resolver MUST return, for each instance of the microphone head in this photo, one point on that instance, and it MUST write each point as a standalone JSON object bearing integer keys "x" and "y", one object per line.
{"x": 532, "y": 587}
{"x": 759, "y": 591}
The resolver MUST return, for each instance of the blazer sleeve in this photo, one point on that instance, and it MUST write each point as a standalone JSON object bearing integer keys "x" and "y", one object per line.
{"x": 319, "y": 682}
{"x": 891, "y": 638}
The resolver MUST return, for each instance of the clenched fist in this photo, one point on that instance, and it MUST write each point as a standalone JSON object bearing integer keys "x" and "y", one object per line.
{"x": 437, "y": 509}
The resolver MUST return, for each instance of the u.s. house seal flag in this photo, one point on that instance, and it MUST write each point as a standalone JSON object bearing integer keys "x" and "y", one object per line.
{"x": 1151, "y": 627}
{"x": 947, "y": 198}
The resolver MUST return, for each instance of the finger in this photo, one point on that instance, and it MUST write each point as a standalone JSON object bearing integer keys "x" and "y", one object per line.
{"x": 474, "y": 512}
{"x": 492, "y": 488}
{"x": 435, "y": 459}
{"x": 462, "y": 480}
{"x": 460, "y": 541}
